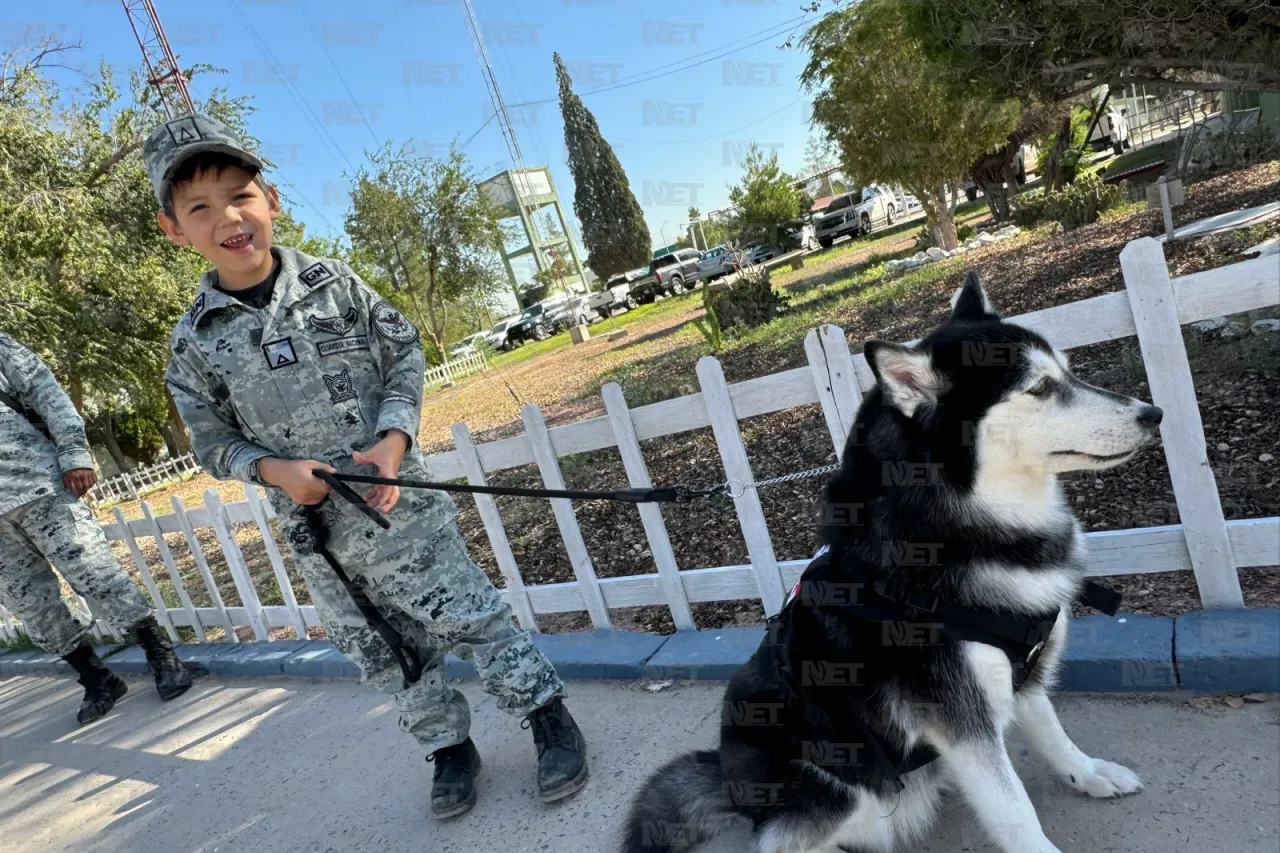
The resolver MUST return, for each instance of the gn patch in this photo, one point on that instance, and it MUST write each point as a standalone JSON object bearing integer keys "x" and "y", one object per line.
{"x": 279, "y": 353}
{"x": 315, "y": 274}
{"x": 393, "y": 325}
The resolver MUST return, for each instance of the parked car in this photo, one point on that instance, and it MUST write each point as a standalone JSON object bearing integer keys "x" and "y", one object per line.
{"x": 669, "y": 275}
{"x": 535, "y": 323}
{"x": 497, "y": 336}
{"x": 576, "y": 311}
{"x": 716, "y": 262}
{"x": 617, "y": 293}
{"x": 468, "y": 345}
{"x": 857, "y": 212}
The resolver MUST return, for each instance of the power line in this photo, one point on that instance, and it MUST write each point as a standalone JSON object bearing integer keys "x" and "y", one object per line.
{"x": 654, "y": 74}
{"x": 715, "y": 135}
{"x": 338, "y": 71}
{"x": 477, "y": 132}
{"x": 293, "y": 90}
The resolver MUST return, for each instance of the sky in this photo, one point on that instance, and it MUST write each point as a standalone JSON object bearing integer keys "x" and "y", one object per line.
{"x": 696, "y": 81}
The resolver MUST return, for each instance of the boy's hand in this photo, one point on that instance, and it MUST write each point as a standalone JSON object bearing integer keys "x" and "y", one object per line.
{"x": 387, "y": 456}
{"x": 79, "y": 480}
{"x": 295, "y": 477}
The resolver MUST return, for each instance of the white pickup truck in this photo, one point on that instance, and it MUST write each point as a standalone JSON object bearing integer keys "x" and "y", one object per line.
{"x": 617, "y": 293}
{"x": 857, "y": 212}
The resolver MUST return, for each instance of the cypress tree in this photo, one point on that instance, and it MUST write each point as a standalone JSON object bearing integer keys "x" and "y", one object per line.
{"x": 613, "y": 226}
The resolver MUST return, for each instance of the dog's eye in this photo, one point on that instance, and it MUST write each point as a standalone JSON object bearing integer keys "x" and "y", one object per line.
{"x": 1040, "y": 388}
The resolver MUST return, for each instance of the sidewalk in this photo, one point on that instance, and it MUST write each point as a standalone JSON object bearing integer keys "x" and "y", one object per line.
{"x": 288, "y": 766}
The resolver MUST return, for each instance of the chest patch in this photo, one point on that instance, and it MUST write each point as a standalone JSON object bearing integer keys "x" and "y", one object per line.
{"x": 279, "y": 353}
{"x": 335, "y": 325}
{"x": 393, "y": 325}
{"x": 341, "y": 388}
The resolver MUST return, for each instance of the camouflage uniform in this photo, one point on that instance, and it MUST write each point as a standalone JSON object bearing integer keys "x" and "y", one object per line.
{"x": 41, "y": 523}
{"x": 326, "y": 369}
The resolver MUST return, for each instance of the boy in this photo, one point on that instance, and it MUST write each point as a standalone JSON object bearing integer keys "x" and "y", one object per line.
{"x": 286, "y": 364}
{"x": 45, "y": 467}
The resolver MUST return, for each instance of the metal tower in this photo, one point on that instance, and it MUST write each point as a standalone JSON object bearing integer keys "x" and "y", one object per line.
{"x": 163, "y": 72}
{"x": 521, "y": 182}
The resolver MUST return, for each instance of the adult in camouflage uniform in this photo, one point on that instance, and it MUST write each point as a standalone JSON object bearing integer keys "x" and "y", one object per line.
{"x": 285, "y": 358}
{"x": 45, "y": 467}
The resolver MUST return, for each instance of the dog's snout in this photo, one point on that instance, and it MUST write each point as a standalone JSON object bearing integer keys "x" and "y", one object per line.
{"x": 1150, "y": 416}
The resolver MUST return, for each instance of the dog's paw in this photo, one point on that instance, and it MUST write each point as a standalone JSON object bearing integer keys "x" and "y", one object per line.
{"x": 1106, "y": 779}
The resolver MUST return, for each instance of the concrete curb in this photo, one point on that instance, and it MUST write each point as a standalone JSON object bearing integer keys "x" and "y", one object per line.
{"x": 1236, "y": 651}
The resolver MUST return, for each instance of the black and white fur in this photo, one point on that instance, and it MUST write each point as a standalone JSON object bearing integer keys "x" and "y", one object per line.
{"x": 995, "y": 414}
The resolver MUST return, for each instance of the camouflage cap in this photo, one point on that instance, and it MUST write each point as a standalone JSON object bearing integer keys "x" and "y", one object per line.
{"x": 177, "y": 139}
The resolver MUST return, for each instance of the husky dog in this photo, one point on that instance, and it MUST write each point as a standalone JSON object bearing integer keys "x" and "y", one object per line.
{"x": 932, "y": 622}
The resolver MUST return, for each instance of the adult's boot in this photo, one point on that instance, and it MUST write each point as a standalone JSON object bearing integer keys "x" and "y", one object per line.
{"x": 172, "y": 678}
{"x": 562, "y": 751}
{"x": 102, "y": 687}
{"x": 453, "y": 787}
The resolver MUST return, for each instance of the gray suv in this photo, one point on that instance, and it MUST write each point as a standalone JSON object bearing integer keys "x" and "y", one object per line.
{"x": 669, "y": 275}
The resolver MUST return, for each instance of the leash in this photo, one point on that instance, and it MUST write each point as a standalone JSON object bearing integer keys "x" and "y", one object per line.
{"x": 658, "y": 494}
{"x": 406, "y": 655}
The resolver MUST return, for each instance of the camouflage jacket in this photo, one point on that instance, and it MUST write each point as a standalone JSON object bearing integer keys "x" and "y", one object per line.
{"x": 30, "y": 466}
{"x": 325, "y": 369}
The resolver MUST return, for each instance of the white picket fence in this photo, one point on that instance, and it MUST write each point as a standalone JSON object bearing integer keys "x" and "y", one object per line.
{"x": 452, "y": 371}
{"x": 1152, "y": 306}
{"x": 128, "y": 485}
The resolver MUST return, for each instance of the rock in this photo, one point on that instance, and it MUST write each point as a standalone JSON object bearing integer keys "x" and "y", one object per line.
{"x": 1234, "y": 701}
{"x": 919, "y": 256}
{"x": 1257, "y": 698}
{"x": 1261, "y": 327}
{"x": 1223, "y": 447}
{"x": 1213, "y": 324}
{"x": 959, "y": 250}
{"x": 1266, "y": 457}
{"x": 893, "y": 265}
{"x": 987, "y": 239}
{"x": 973, "y": 244}
{"x": 935, "y": 253}
{"x": 1234, "y": 329}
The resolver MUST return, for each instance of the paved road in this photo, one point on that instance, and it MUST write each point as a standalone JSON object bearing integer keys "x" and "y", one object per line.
{"x": 289, "y": 767}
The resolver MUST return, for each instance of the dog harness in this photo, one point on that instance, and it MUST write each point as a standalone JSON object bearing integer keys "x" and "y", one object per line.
{"x": 1021, "y": 637}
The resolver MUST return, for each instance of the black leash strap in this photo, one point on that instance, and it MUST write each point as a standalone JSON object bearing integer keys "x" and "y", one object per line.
{"x": 661, "y": 494}
{"x": 406, "y": 655}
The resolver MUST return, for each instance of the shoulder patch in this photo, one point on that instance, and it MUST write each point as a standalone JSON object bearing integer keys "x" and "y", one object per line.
{"x": 393, "y": 325}
{"x": 315, "y": 274}
{"x": 196, "y": 308}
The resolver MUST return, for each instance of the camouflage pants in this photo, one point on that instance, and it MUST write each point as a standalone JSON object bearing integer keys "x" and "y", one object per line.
{"x": 60, "y": 531}
{"x": 440, "y": 601}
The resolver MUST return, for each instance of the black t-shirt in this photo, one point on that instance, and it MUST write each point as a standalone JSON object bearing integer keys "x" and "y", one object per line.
{"x": 260, "y": 294}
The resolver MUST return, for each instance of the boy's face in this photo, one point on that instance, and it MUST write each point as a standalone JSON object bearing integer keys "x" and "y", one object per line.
{"x": 226, "y": 217}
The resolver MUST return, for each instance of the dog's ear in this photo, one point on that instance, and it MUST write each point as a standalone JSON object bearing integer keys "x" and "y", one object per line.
{"x": 905, "y": 374}
{"x": 970, "y": 302}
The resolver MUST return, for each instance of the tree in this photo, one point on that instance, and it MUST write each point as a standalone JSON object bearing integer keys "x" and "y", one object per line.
{"x": 768, "y": 203}
{"x": 894, "y": 116}
{"x": 90, "y": 282}
{"x": 613, "y": 227}
{"x": 424, "y": 227}
{"x": 1053, "y": 51}
{"x": 994, "y": 171}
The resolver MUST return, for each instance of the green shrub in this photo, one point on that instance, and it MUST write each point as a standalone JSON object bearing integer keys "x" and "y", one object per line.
{"x": 1029, "y": 208}
{"x": 750, "y": 302}
{"x": 924, "y": 237}
{"x": 1074, "y": 205}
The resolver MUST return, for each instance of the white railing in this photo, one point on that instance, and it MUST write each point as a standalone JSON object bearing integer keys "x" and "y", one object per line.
{"x": 127, "y": 486}
{"x": 454, "y": 370}
{"x": 1153, "y": 307}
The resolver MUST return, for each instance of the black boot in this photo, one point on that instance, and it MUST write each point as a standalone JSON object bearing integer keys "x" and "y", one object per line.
{"x": 562, "y": 751}
{"x": 172, "y": 678}
{"x": 101, "y": 686}
{"x": 453, "y": 789}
